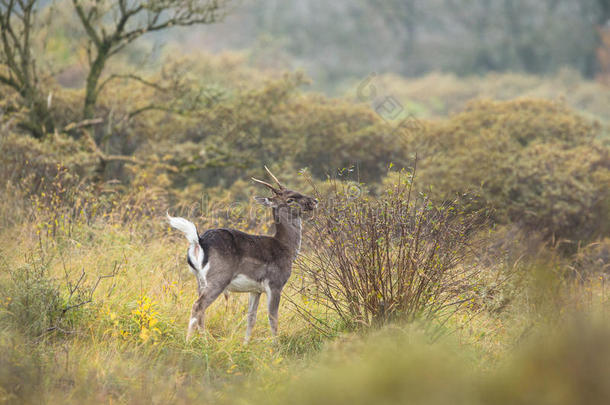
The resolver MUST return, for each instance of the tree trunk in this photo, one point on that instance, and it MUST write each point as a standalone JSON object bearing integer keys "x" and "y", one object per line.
{"x": 92, "y": 81}
{"x": 40, "y": 121}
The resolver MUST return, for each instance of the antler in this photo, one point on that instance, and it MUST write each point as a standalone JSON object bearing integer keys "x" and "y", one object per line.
{"x": 264, "y": 183}
{"x": 274, "y": 178}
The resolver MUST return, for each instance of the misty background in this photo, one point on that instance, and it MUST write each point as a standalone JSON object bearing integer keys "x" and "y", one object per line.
{"x": 335, "y": 42}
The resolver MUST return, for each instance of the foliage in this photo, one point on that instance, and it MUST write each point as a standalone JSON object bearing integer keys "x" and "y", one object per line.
{"x": 535, "y": 162}
{"x": 112, "y": 351}
{"x": 108, "y": 28}
{"x": 94, "y": 290}
{"x": 142, "y": 324}
{"x": 565, "y": 366}
{"x": 34, "y": 302}
{"x": 538, "y": 162}
{"x": 439, "y": 94}
{"x": 592, "y": 259}
{"x": 37, "y": 302}
{"x": 18, "y": 63}
{"x": 197, "y": 138}
{"x": 396, "y": 256}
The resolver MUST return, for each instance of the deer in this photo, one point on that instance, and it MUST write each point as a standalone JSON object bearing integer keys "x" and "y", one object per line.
{"x": 229, "y": 260}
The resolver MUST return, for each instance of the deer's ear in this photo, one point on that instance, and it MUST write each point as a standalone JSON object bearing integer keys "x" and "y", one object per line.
{"x": 267, "y": 202}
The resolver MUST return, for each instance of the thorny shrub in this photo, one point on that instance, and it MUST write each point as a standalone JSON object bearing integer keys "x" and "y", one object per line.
{"x": 398, "y": 255}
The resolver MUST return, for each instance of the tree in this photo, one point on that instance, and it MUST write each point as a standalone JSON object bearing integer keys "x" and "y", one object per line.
{"x": 17, "y": 65}
{"x": 109, "y": 27}
{"x": 403, "y": 18}
{"x": 600, "y": 15}
{"x": 129, "y": 21}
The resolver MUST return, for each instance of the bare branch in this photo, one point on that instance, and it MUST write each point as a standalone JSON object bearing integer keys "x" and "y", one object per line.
{"x": 132, "y": 20}
{"x": 182, "y": 17}
{"x": 86, "y": 21}
{"x": 82, "y": 124}
{"x": 133, "y": 77}
{"x": 9, "y": 82}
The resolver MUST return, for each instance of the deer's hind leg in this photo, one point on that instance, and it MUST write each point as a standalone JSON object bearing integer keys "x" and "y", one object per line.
{"x": 216, "y": 283}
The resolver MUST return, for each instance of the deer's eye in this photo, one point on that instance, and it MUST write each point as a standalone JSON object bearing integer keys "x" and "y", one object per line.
{"x": 290, "y": 200}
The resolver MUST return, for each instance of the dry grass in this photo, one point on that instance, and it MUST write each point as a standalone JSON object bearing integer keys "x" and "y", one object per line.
{"x": 134, "y": 329}
{"x": 128, "y": 344}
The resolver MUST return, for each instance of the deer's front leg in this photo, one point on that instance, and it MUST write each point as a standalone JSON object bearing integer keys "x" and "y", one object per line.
{"x": 273, "y": 304}
{"x": 252, "y": 307}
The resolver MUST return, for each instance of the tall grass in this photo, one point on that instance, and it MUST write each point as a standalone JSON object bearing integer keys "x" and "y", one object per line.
{"x": 67, "y": 336}
{"x": 80, "y": 336}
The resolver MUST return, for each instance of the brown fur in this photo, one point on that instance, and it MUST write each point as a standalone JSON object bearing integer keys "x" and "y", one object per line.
{"x": 264, "y": 261}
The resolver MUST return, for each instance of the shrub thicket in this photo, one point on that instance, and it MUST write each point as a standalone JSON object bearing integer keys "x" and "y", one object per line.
{"x": 440, "y": 94}
{"x": 535, "y": 162}
{"x": 204, "y": 122}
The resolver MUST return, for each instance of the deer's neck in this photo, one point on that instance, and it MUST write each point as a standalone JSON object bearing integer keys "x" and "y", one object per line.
{"x": 288, "y": 229}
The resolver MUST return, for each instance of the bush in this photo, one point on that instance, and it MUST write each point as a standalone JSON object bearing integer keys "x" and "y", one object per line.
{"x": 34, "y": 302}
{"x": 440, "y": 94}
{"x": 592, "y": 259}
{"x": 394, "y": 256}
{"x": 389, "y": 367}
{"x": 565, "y": 366}
{"x": 37, "y": 303}
{"x": 31, "y": 163}
{"x": 534, "y": 162}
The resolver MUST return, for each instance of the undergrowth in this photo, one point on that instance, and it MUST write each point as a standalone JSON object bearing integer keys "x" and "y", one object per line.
{"x": 94, "y": 304}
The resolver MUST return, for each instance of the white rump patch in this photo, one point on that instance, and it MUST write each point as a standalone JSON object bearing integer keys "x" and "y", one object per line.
{"x": 196, "y": 255}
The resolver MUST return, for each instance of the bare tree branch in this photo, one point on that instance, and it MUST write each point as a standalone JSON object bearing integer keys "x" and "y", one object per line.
{"x": 132, "y": 77}
{"x": 16, "y": 25}
{"x": 132, "y": 20}
{"x": 86, "y": 21}
{"x": 85, "y": 123}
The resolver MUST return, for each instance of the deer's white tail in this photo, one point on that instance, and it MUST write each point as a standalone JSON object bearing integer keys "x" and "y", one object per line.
{"x": 186, "y": 227}
{"x": 196, "y": 255}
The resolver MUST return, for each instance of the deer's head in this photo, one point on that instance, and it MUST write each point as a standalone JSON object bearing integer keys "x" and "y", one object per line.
{"x": 284, "y": 197}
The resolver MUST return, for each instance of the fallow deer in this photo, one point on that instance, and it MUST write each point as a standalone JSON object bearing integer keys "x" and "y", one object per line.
{"x": 231, "y": 260}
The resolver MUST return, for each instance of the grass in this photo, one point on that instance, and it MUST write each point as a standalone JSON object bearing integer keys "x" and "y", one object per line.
{"x": 128, "y": 344}
{"x": 137, "y": 318}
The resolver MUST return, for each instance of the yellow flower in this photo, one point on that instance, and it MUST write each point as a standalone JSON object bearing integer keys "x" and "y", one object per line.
{"x": 144, "y": 334}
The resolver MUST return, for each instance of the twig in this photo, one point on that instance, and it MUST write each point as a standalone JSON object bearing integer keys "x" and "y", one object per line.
{"x": 82, "y": 124}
